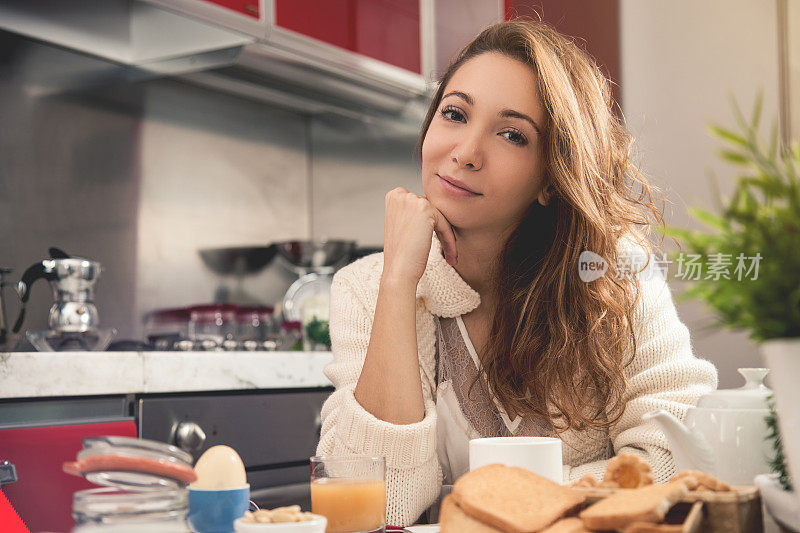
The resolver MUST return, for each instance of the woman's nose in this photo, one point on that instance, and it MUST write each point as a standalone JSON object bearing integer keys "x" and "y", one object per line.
{"x": 468, "y": 153}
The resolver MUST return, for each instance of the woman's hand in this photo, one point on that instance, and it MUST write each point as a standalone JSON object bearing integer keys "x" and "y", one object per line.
{"x": 408, "y": 229}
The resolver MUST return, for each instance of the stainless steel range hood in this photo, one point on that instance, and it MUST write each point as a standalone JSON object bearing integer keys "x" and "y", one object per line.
{"x": 283, "y": 68}
{"x": 312, "y": 76}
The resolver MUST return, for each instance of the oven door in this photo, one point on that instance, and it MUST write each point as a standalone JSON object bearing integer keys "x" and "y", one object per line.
{"x": 274, "y": 432}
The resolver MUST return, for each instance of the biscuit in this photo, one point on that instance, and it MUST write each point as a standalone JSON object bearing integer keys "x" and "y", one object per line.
{"x": 628, "y": 471}
{"x": 704, "y": 481}
{"x": 586, "y": 482}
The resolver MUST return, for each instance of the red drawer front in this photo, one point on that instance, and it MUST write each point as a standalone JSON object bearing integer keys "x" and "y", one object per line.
{"x": 43, "y": 494}
{"x": 387, "y": 30}
{"x": 245, "y": 7}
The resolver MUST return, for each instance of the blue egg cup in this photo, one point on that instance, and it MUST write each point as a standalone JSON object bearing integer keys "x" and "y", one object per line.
{"x": 214, "y": 511}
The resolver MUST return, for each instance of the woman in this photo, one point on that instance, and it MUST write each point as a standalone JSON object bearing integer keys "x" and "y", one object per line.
{"x": 474, "y": 321}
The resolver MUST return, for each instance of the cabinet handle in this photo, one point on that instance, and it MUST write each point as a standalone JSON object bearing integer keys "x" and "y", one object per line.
{"x": 8, "y": 473}
{"x": 189, "y": 436}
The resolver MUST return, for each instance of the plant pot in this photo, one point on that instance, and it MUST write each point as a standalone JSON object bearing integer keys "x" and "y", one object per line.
{"x": 782, "y": 356}
{"x": 782, "y": 505}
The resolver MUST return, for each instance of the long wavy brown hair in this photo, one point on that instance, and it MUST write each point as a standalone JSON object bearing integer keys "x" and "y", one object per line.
{"x": 557, "y": 347}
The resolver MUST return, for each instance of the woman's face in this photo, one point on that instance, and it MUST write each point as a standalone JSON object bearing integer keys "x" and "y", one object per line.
{"x": 481, "y": 139}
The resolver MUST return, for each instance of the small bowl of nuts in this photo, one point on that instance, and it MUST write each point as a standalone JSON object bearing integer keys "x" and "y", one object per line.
{"x": 281, "y": 520}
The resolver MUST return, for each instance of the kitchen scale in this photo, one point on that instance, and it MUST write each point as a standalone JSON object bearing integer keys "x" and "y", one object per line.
{"x": 315, "y": 263}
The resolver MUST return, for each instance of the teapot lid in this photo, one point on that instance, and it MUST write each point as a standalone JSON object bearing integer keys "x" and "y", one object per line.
{"x": 752, "y": 395}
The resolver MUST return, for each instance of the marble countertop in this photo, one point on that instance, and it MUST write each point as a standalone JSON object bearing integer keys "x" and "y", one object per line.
{"x": 46, "y": 374}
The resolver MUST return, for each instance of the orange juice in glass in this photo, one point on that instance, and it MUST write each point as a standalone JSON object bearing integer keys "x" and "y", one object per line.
{"x": 350, "y": 491}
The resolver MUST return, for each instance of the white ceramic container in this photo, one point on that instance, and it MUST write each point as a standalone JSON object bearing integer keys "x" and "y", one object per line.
{"x": 317, "y": 525}
{"x": 726, "y": 434}
{"x": 541, "y": 455}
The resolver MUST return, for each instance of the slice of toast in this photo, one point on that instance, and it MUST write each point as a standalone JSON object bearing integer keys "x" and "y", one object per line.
{"x": 645, "y": 504}
{"x": 453, "y": 520}
{"x": 513, "y": 499}
{"x": 567, "y": 525}
{"x": 644, "y": 527}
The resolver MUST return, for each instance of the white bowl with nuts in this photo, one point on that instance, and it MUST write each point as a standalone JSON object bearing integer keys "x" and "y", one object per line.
{"x": 281, "y": 520}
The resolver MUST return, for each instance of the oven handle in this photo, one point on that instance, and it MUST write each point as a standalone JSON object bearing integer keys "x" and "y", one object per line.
{"x": 280, "y": 494}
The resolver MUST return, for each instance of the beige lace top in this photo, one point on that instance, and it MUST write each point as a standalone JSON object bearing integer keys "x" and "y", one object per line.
{"x": 465, "y": 407}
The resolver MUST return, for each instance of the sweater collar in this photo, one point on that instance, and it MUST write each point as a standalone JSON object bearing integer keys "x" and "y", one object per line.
{"x": 442, "y": 289}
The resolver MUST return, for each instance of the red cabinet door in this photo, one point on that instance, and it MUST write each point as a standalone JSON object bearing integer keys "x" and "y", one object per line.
{"x": 43, "y": 494}
{"x": 327, "y": 20}
{"x": 245, "y": 7}
{"x": 387, "y": 30}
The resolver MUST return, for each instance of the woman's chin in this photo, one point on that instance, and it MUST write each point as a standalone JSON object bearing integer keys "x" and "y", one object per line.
{"x": 459, "y": 218}
{"x": 459, "y": 214}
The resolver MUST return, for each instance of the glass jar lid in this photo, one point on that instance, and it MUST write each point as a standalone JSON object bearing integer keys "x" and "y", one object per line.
{"x": 132, "y": 464}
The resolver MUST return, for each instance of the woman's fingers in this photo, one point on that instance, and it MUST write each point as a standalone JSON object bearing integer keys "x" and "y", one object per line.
{"x": 446, "y": 236}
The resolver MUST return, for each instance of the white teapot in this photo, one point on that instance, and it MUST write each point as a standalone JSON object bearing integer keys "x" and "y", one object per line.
{"x": 726, "y": 434}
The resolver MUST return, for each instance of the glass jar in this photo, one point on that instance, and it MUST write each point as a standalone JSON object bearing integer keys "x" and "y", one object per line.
{"x": 144, "y": 486}
{"x": 254, "y": 325}
{"x": 112, "y": 510}
{"x": 165, "y": 327}
{"x": 291, "y": 339}
{"x": 211, "y": 325}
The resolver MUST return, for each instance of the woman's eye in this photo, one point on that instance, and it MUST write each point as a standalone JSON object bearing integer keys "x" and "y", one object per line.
{"x": 449, "y": 113}
{"x": 516, "y": 138}
{"x": 454, "y": 115}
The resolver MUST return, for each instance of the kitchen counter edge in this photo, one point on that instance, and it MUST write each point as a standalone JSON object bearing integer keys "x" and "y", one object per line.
{"x": 52, "y": 374}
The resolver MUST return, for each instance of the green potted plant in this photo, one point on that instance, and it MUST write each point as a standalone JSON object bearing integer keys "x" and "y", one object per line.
{"x": 757, "y": 236}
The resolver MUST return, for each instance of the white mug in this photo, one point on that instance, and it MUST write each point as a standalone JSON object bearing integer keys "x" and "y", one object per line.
{"x": 541, "y": 455}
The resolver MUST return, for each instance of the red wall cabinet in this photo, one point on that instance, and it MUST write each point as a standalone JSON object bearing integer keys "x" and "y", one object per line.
{"x": 250, "y": 17}
{"x": 251, "y": 8}
{"x": 386, "y": 30}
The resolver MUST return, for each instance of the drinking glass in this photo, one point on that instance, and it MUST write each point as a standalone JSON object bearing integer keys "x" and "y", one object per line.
{"x": 350, "y": 491}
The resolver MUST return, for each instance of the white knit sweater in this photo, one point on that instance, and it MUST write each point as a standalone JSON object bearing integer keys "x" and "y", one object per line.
{"x": 663, "y": 375}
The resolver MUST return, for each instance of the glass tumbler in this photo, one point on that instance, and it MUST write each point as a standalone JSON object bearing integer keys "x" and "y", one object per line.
{"x": 350, "y": 491}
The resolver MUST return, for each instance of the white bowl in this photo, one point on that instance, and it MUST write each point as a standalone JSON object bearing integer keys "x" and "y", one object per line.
{"x": 317, "y": 525}
{"x": 782, "y": 505}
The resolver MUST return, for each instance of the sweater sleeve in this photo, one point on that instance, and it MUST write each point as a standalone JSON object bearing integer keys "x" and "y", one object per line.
{"x": 413, "y": 475}
{"x": 664, "y": 374}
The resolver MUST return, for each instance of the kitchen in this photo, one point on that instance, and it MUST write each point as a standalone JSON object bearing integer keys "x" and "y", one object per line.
{"x": 141, "y": 166}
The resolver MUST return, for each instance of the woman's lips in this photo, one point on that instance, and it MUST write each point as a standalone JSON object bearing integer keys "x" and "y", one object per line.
{"x": 455, "y": 190}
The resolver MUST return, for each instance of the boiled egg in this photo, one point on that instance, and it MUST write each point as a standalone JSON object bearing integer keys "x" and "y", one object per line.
{"x": 220, "y": 467}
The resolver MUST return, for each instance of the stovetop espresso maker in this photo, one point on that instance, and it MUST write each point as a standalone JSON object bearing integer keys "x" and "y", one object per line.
{"x": 73, "y": 319}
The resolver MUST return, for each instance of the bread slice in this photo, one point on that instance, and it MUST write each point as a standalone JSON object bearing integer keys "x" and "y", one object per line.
{"x": 513, "y": 499}
{"x": 567, "y": 525}
{"x": 645, "y": 504}
{"x": 453, "y": 520}
{"x": 644, "y": 527}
